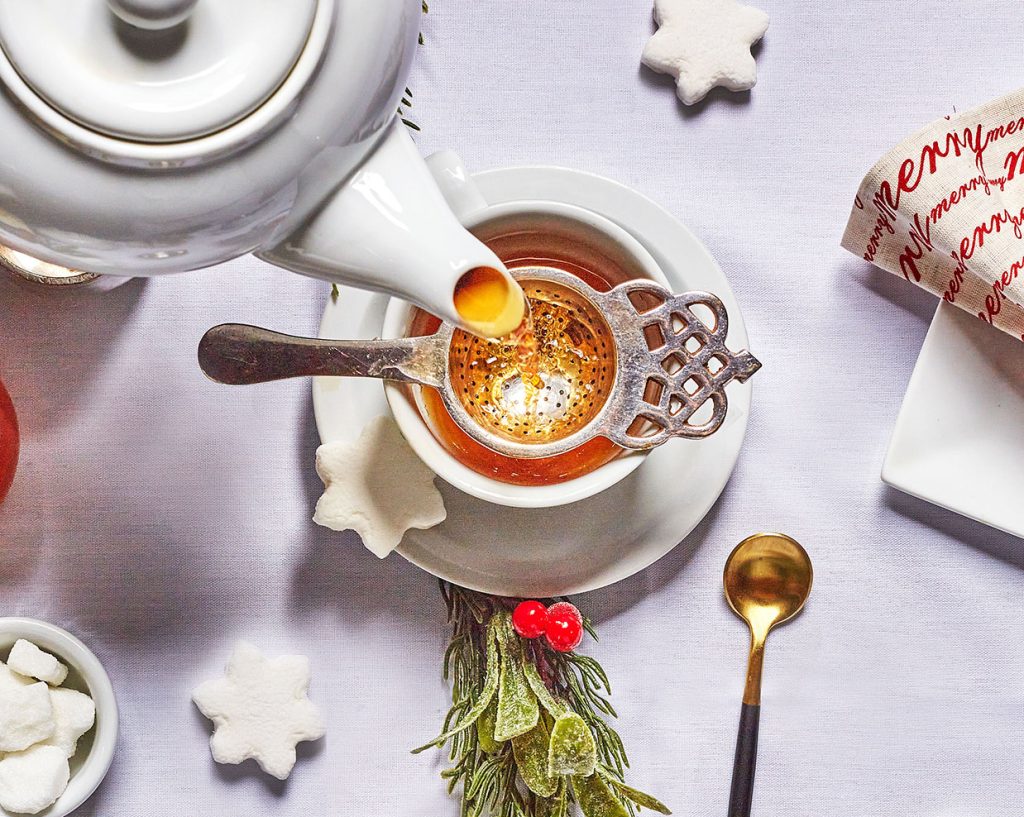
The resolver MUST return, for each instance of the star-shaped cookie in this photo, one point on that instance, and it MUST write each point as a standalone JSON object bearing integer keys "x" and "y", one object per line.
{"x": 705, "y": 43}
{"x": 377, "y": 486}
{"x": 260, "y": 710}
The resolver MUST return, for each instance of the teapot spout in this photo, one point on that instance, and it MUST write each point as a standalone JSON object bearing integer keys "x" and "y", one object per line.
{"x": 388, "y": 228}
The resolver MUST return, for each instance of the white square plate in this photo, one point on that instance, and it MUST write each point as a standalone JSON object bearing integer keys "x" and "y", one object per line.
{"x": 959, "y": 437}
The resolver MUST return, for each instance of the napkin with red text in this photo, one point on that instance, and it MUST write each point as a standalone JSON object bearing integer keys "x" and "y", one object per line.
{"x": 945, "y": 210}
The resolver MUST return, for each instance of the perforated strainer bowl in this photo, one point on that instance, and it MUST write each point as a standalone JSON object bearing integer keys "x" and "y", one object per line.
{"x": 641, "y": 366}
{"x": 548, "y": 388}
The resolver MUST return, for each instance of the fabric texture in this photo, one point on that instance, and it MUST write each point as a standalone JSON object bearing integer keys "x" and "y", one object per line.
{"x": 945, "y": 209}
{"x": 162, "y": 517}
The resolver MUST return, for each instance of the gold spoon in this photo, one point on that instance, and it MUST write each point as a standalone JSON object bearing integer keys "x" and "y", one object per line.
{"x": 767, "y": 580}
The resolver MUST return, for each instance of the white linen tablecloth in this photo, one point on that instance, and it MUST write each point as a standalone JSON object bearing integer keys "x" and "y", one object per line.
{"x": 161, "y": 517}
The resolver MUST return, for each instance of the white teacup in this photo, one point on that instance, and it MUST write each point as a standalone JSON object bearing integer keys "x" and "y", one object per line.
{"x": 475, "y": 213}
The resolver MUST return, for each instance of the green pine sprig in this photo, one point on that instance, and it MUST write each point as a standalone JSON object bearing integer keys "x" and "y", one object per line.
{"x": 527, "y": 733}
{"x": 405, "y": 104}
{"x": 406, "y": 101}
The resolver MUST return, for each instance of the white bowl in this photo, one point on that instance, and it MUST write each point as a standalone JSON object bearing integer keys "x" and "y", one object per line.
{"x": 85, "y": 673}
{"x": 408, "y": 412}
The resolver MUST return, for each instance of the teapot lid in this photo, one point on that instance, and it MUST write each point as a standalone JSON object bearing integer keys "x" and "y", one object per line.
{"x": 155, "y": 70}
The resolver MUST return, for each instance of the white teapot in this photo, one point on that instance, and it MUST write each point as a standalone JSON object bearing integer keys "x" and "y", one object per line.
{"x": 142, "y": 137}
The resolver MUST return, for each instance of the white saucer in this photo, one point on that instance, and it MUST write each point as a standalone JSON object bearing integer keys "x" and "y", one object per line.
{"x": 959, "y": 439}
{"x": 601, "y": 540}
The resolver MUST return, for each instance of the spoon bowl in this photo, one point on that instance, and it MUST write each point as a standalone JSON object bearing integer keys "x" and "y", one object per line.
{"x": 767, "y": 580}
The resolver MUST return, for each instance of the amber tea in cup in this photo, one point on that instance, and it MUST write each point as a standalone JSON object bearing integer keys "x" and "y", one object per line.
{"x": 551, "y": 377}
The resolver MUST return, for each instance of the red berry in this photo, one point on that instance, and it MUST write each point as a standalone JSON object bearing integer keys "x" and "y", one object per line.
{"x": 565, "y": 627}
{"x": 530, "y": 619}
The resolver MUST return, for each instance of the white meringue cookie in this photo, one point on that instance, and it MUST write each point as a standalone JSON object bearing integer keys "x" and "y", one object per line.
{"x": 260, "y": 710}
{"x": 705, "y": 43}
{"x": 378, "y": 487}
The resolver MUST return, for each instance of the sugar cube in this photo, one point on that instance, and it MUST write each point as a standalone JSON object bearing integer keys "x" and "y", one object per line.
{"x": 74, "y": 714}
{"x": 33, "y": 779}
{"x": 26, "y": 714}
{"x": 27, "y": 659}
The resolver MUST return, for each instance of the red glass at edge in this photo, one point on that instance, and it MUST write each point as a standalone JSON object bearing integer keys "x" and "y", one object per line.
{"x": 10, "y": 442}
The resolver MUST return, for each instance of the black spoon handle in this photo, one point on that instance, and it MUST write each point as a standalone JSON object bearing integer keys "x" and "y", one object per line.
{"x": 746, "y": 760}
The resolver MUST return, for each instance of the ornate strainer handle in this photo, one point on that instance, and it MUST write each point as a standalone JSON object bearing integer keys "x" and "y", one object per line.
{"x": 675, "y": 364}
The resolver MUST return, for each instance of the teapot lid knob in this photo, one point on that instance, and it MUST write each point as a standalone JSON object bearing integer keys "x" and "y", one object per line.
{"x": 152, "y": 14}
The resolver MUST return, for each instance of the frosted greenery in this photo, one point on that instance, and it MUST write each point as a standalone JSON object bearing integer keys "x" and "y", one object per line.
{"x": 527, "y": 733}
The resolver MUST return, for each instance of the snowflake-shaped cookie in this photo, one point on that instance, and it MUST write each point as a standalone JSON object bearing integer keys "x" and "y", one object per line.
{"x": 260, "y": 710}
{"x": 378, "y": 487}
{"x": 704, "y": 43}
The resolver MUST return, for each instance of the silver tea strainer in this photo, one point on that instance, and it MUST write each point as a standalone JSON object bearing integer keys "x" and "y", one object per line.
{"x": 636, "y": 365}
